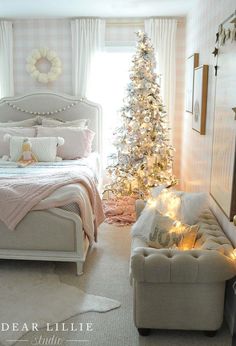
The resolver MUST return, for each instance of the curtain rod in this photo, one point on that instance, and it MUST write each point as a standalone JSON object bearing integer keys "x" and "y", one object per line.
{"x": 109, "y": 21}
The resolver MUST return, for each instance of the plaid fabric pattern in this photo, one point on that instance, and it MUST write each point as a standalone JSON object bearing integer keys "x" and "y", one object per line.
{"x": 35, "y": 33}
{"x": 202, "y": 24}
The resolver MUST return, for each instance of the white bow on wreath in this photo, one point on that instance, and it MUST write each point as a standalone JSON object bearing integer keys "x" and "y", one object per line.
{"x": 49, "y": 55}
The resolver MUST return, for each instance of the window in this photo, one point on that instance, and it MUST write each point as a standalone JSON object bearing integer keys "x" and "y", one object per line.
{"x": 108, "y": 87}
{"x": 110, "y": 74}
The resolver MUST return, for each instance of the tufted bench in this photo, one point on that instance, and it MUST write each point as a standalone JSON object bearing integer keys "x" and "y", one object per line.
{"x": 176, "y": 289}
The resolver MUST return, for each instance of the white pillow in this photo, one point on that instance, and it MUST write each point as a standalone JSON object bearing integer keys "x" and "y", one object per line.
{"x": 145, "y": 223}
{"x": 192, "y": 206}
{"x": 183, "y": 206}
{"x": 21, "y": 123}
{"x": 44, "y": 148}
{"x": 78, "y": 141}
{"x": 168, "y": 202}
{"x": 14, "y": 131}
{"x": 55, "y": 122}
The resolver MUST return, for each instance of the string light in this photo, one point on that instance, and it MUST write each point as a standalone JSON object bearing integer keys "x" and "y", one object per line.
{"x": 233, "y": 254}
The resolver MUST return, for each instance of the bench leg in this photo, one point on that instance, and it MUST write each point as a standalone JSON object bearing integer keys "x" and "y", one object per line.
{"x": 144, "y": 331}
{"x": 210, "y": 333}
{"x": 79, "y": 266}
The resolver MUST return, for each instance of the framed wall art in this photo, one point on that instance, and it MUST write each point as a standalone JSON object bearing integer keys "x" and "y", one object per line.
{"x": 192, "y": 63}
{"x": 200, "y": 99}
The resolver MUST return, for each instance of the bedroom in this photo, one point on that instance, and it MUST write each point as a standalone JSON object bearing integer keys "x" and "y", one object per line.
{"x": 64, "y": 72}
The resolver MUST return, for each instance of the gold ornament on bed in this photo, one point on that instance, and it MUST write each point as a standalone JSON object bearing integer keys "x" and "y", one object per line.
{"x": 39, "y": 56}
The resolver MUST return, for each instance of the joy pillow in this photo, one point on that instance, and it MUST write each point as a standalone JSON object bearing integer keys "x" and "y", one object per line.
{"x": 78, "y": 141}
{"x": 163, "y": 234}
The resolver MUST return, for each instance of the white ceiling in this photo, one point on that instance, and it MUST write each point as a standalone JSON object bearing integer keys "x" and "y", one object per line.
{"x": 99, "y": 8}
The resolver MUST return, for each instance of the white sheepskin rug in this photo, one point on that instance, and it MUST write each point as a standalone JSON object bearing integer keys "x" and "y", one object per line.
{"x": 31, "y": 292}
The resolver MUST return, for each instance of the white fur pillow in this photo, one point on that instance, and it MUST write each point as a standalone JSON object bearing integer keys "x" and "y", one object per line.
{"x": 192, "y": 206}
{"x": 145, "y": 223}
{"x": 168, "y": 202}
{"x": 183, "y": 206}
{"x": 44, "y": 148}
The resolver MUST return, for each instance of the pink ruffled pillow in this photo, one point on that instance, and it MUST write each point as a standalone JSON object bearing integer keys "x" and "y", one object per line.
{"x": 78, "y": 141}
{"x": 13, "y": 131}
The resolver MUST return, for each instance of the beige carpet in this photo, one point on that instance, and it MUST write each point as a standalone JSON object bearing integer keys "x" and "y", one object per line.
{"x": 106, "y": 274}
{"x": 32, "y": 292}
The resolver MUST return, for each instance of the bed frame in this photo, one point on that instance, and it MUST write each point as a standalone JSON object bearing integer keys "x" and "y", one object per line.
{"x": 54, "y": 234}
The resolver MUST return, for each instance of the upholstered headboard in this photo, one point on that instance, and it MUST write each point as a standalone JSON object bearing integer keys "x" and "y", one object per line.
{"x": 58, "y": 106}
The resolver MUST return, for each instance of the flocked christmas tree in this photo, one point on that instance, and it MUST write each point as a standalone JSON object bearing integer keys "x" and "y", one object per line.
{"x": 144, "y": 156}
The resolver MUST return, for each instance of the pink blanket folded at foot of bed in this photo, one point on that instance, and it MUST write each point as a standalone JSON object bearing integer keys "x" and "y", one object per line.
{"x": 20, "y": 194}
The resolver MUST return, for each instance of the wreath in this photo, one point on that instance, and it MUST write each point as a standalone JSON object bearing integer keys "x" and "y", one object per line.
{"x": 35, "y": 57}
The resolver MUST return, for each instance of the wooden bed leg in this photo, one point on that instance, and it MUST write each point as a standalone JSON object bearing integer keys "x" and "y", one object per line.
{"x": 79, "y": 266}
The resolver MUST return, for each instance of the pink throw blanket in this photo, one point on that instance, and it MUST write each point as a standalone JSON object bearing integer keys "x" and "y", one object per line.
{"x": 20, "y": 194}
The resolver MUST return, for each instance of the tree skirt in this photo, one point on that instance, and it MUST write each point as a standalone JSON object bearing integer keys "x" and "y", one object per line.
{"x": 30, "y": 292}
{"x": 120, "y": 211}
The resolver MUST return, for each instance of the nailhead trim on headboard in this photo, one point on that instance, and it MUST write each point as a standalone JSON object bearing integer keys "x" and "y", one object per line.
{"x": 56, "y": 111}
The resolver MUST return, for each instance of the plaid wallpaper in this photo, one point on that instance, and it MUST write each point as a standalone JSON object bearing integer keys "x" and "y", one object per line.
{"x": 35, "y": 33}
{"x": 179, "y": 95}
{"x": 201, "y": 27}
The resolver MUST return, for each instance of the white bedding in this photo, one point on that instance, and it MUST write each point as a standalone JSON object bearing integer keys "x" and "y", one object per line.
{"x": 92, "y": 162}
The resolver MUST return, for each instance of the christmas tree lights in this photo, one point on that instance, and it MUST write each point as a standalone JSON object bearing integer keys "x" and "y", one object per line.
{"x": 144, "y": 156}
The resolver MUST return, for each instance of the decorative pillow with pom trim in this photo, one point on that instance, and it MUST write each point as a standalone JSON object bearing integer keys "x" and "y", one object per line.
{"x": 14, "y": 131}
{"x": 44, "y": 148}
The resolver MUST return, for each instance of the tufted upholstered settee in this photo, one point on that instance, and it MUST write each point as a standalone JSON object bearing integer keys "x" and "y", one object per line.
{"x": 176, "y": 289}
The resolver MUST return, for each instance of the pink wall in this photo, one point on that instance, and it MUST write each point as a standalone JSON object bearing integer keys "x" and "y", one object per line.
{"x": 201, "y": 27}
{"x": 35, "y": 33}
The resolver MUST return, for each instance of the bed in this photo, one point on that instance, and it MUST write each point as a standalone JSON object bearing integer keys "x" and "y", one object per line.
{"x": 54, "y": 234}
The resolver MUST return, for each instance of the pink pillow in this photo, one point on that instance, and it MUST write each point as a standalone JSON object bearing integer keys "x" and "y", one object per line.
{"x": 14, "y": 131}
{"x": 78, "y": 141}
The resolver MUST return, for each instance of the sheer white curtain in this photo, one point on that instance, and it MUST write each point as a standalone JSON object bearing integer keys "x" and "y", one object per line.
{"x": 6, "y": 59}
{"x": 162, "y": 33}
{"x": 88, "y": 37}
